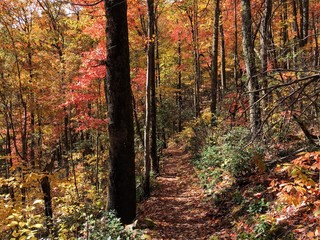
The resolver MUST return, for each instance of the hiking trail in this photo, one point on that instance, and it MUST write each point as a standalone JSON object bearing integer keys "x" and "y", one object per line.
{"x": 176, "y": 205}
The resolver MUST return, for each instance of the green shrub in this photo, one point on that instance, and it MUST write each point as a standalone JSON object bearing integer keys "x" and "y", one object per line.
{"x": 258, "y": 206}
{"x": 108, "y": 227}
{"x": 229, "y": 153}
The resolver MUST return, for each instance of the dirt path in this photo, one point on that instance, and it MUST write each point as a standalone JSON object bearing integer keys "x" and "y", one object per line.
{"x": 176, "y": 206}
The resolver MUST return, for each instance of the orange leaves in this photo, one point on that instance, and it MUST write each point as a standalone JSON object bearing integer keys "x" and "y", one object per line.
{"x": 309, "y": 160}
{"x": 303, "y": 188}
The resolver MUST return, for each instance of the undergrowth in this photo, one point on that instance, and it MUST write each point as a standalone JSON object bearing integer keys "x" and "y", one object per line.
{"x": 236, "y": 180}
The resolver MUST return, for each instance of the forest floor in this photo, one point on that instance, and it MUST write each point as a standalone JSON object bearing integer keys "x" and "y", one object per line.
{"x": 258, "y": 206}
{"x": 176, "y": 207}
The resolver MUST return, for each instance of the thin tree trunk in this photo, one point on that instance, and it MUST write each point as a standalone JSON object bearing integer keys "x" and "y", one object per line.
{"x": 316, "y": 48}
{"x": 196, "y": 59}
{"x": 9, "y": 154}
{"x": 136, "y": 120}
{"x": 264, "y": 42}
{"x": 150, "y": 151}
{"x": 152, "y": 72}
{"x": 235, "y": 49}
{"x": 284, "y": 35}
{"x": 304, "y": 21}
{"x": 157, "y": 55}
{"x": 214, "y": 64}
{"x": 179, "y": 97}
{"x": 223, "y": 60}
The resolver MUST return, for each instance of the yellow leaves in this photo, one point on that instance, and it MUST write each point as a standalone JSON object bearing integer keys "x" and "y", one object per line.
{"x": 63, "y": 234}
{"x": 13, "y": 224}
{"x": 15, "y": 234}
{"x": 37, "y": 225}
{"x": 207, "y": 116}
{"x": 23, "y": 222}
{"x": 32, "y": 179}
{"x": 316, "y": 213}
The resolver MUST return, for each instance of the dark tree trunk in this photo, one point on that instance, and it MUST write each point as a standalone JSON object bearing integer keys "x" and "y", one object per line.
{"x": 179, "y": 87}
{"x": 152, "y": 76}
{"x": 122, "y": 187}
{"x": 215, "y": 43}
{"x": 46, "y": 189}
{"x": 253, "y": 85}
{"x": 295, "y": 18}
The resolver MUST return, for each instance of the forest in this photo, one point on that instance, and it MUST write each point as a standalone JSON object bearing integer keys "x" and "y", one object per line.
{"x": 159, "y": 119}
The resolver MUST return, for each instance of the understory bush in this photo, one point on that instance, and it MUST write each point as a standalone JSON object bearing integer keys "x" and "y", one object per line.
{"x": 108, "y": 227}
{"x": 230, "y": 153}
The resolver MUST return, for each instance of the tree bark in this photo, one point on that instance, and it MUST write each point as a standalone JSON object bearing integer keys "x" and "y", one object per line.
{"x": 316, "y": 47}
{"x": 235, "y": 49}
{"x": 46, "y": 189}
{"x": 150, "y": 103}
{"x": 264, "y": 42}
{"x": 223, "y": 60}
{"x": 179, "y": 94}
{"x": 284, "y": 35}
{"x": 304, "y": 21}
{"x": 152, "y": 76}
{"x": 253, "y": 85}
{"x": 214, "y": 64}
{"x": 196, "y": 59}
{"x": 122, "y": 187}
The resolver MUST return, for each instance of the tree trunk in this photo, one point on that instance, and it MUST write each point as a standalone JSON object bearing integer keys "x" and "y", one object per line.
{"x": 304, "y": 21}
{"x": 316, "y": 47}
{"x": 150, "y": 103}
{"x": 284, "y": 35}
{"x": 179, "y": 97}
{"x": 122, "y": 187}
{"x": 253, "y": 85}
{"x": 235, "y": 49}
{"x": 157, "y": 55}
{"x": 9, "y": 154}
{"x": 223, "y": 60}
{"x": 46, "y": 189}
{"x": 152, "y": 76}
{"x": 196, "y": 59}
{"x": 136, "y": 120}
{"x": 295, "y": 18}
{"x": 264, "y": 42}
{"x": 214, "y": 64}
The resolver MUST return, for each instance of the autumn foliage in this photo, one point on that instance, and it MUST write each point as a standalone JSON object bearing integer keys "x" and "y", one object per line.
{"x": 54, "y": 156}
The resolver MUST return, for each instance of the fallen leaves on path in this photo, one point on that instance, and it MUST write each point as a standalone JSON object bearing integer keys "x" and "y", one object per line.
{"x": 176, "y": 205}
